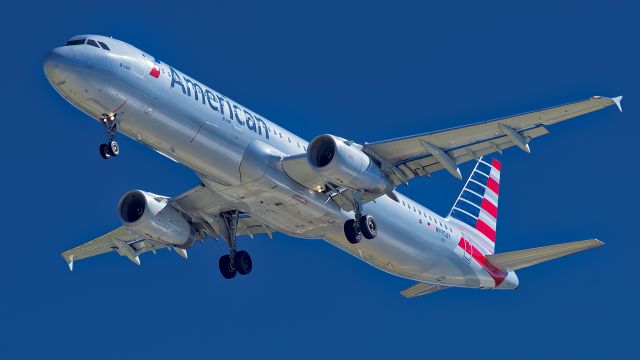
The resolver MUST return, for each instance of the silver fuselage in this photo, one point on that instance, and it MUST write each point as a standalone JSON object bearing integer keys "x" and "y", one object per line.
{"x": 236, "y": 153}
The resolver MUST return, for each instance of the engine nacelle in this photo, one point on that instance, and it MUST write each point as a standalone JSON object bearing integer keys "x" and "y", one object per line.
{"x": 345, "y": 164}
{"x": 151, "y": 216}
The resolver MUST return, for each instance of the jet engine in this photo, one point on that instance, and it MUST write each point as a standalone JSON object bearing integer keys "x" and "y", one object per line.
{"x": 151, "y": 216}
{"x": 345, "y": 164}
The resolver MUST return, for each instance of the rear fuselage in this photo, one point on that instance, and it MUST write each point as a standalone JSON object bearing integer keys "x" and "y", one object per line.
{"x": 236, "y": 153}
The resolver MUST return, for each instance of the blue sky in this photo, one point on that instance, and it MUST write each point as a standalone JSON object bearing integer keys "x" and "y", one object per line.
{"x": 364, "y": 71}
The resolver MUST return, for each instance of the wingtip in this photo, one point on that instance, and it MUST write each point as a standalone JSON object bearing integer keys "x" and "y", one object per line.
{"x": 618, "y": 101}
{"x": 69, "y": 261}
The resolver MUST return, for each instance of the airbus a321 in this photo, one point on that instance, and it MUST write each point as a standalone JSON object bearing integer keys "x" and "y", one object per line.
{"x": 258, "y": 178}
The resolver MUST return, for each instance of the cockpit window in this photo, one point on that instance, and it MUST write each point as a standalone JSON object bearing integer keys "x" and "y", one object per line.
{"x": 93, "y": 43}
{"x": 75, "y": 42}
{"x": 104, "y": 46}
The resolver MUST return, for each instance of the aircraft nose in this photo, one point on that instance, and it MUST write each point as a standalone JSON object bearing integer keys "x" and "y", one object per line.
{"x": 54, "y": 61}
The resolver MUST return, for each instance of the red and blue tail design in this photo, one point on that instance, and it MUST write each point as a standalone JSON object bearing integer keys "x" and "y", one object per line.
{"x": 477, "y": 205}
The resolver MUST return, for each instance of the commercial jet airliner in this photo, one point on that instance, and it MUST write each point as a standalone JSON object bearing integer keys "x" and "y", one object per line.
{"x": 257, "y": 177}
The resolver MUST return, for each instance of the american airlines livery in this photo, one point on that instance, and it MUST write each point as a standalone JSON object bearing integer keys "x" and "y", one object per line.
{"x": 256, "y": 177}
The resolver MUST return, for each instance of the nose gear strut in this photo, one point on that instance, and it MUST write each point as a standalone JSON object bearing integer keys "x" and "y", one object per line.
{"x": 111, "y": 148}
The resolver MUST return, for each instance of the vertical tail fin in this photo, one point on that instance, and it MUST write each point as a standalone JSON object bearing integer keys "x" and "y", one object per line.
{"x": 477, "y": 206}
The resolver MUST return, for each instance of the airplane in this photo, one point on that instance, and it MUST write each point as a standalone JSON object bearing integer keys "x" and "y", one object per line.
{"x": 258, "y": 178}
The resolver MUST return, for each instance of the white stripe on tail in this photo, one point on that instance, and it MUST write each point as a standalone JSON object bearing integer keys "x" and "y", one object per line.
{"x": 476, "y": 209}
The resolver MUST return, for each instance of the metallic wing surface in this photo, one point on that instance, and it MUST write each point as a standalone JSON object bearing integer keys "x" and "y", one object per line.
{"x": 199, "y": 204}
{"x": 424, "y": 154}
{"x": 420, "y": 155}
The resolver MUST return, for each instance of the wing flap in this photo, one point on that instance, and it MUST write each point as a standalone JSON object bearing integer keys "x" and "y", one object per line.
{"x": 420, "y": 289}
{"x": 524, "y": 258}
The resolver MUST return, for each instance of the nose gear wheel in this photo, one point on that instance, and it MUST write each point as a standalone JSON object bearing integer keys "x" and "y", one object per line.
{"x": 111, "y": 148}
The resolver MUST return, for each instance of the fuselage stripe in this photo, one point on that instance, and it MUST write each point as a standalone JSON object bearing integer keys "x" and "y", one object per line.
{"x": 495, "y": 273}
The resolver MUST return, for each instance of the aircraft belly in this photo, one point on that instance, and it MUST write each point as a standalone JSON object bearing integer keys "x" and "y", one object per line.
{"x": 211, "y": 151}
{"x": 403, "y": 247}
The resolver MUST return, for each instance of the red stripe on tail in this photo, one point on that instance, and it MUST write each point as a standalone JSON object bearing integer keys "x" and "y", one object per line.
{"x": 493, "y": 185}
{"x": 495, "y": 273}
{"x": 486, "y": 230}
{"x": 496, "y": 164}
{"x": 490, "y": 208}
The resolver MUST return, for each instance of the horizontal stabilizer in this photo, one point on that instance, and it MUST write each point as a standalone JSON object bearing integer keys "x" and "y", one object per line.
{"x": 420, "y": 289}
{"x": 524, "y": 258}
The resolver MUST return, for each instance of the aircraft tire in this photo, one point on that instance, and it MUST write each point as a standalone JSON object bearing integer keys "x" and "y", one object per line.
{"x": 350, "y": 232}
{"x": 368, "y": 226}
{"x": 225, "y": 267}
{"x": 113, "y": 148}
{"x": 243, "y": 262}
{"x": 104, "y": 152}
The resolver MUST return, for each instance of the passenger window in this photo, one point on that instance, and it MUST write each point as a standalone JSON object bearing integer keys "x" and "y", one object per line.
{"x": 104, "y": 46}
{"x": 280, "y": 134}
{"x": 304, "y": 147}
{"x": 93, "y": 43}
{"x": 289, "y": 140}
{"x": 75, "y": 42}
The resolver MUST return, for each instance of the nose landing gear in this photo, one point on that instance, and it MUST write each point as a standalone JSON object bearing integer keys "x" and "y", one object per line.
{"x": 111, "y": 148}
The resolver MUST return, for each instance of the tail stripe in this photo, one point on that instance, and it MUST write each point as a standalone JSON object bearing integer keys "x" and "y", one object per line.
{"x": 497, "y": 274}
{"x": 489, "y": 207}
{"x": 491, "y": 196}
{"x": 486, "y": 230}
{"x": 471, "y": 203}
{"x": 487, "y": 219}
{"x": 477, "y": 205}
{"x": 493, "y": 186}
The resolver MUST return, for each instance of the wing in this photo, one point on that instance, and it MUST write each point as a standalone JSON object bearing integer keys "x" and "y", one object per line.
{"x": 420, "y": 155}
{"x": 423, "y": 154}
{"x": 199, "y": 205}
{"x": 120, "y": 240}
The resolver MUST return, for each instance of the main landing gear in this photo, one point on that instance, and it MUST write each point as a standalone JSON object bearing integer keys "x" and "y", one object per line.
{"x": 111, "y": 148}
{"x": 361, "y": 225}
{"x": 236, "y": 261}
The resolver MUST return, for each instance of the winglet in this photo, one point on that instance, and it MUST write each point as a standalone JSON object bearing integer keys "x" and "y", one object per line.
{"x": 70, "y": 262}
{"x": 618, "y": 101}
